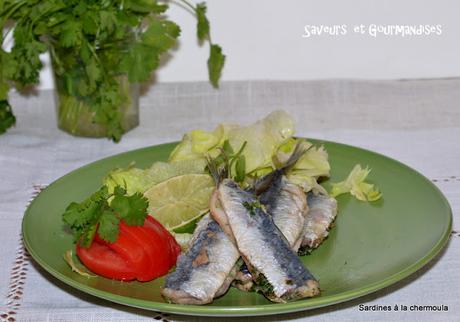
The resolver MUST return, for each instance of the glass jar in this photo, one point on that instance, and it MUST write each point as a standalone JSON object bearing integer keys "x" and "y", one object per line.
{"x": 76, "y": 113}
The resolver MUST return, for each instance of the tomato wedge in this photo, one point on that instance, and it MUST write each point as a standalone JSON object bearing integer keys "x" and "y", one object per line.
{"x": 158, "y": 229}
{"x": 140, "y": 252}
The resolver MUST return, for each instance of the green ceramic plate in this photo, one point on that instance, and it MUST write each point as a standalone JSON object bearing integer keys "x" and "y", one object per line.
{"x": 372, "y": 245}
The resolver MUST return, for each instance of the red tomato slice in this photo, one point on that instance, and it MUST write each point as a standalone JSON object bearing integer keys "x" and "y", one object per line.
{"x": 154, "y": 247}
{"x": 158, "y": 229}
{"x": 103, "y": 261}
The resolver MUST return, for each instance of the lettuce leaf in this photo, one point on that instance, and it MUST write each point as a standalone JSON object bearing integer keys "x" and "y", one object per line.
{"x": 355, "y": 184}
{"x": 263, "y": 138}
{"x": 131, "y": 178}
{"x": 197, "y": 143}
{"x": 68, "y": 257}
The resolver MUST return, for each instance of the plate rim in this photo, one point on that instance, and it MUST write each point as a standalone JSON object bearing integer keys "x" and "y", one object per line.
{"x": 253, "y": 310}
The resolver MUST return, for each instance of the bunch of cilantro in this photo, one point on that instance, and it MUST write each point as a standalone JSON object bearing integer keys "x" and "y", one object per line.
{"x": 91, "y": 44}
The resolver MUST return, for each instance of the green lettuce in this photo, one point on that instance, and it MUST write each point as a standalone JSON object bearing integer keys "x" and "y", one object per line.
{"x": 131, "y": 178}
{"x": 197, "y": 143}
{"x": 355, "y": 184}
{"x": 269, "y": 144}
{"x": 263, "y": 138}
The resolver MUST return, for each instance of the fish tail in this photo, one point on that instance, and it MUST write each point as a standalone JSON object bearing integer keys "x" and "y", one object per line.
{"x": 217, "y": 173}
{"x": 300, "y": 149}
{"x": 263, "y": 183}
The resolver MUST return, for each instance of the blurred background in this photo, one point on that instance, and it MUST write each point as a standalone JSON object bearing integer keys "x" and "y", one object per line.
{"x": 263, "y": 41}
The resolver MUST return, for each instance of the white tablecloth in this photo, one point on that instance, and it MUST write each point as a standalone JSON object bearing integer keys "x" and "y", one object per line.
{"x": 414, "y": 121}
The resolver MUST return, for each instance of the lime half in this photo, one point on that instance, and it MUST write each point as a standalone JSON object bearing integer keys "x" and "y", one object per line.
{"x": 179, "y": 200}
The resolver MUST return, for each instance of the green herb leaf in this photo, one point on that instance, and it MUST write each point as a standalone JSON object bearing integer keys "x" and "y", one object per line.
{"x": 263, "y": 285}
{"x": 139, "y": 62}
{"x": 138, "y": 209}
{"x": 96, "y": 214}
{"x": 7, "y": 118}
{"x": 107, "y": 112}
{"x": 202, "y": 29}
{"x": 8, "y": 67}
{"x": 71, "y": 33}
{"x": 109, "y": 226}
{"x": 118, "y": 190}
{"x": 93, "y": 73}
{"x": 26, "y": 53}
{"x": 161, "y": 34}
{"x": 90, "y": 26}
{"x": 229, "y": 163}
{"x": 87, "y": 236}
{"x": 240, "y": 169}
{"x": 108, "y": 20}
{"x": 216, "y": 63}
{"x": 4, "y": 88}
{"x": 121, "y": 205}
{"x": 143, "y": 6}
{"x": 227, "y": 147}
{"x": 252, "y": 207}
{"x": 83, "y": 217}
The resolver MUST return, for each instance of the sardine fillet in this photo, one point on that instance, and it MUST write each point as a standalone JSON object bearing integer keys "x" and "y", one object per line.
{"x": 287, "y": 205}
{"x": 205, "y": 270}
{"x": 263, "y": 247}
{"x": 322, "y": 212}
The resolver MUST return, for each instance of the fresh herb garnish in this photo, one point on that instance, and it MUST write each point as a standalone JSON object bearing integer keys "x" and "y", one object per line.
{"x": 231, "y": 164}
{"x": 7, "y": 118}
{"x": 252, "y": 206}
{"x": 262, "y": 285}
{"x": 304, "y": 250}
{"x": 97, "y": 214}
{"x": 91, "y": 43}
{"x": 216, "y": 58}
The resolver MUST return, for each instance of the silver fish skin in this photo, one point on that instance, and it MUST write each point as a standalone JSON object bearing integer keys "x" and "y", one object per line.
{"x": 205, "y": 270}
{"x": 322, "y": 212}
{"x": 287, "y": 204}
{"x": 283, "y": 200}
{"x": 263, "y": 247}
